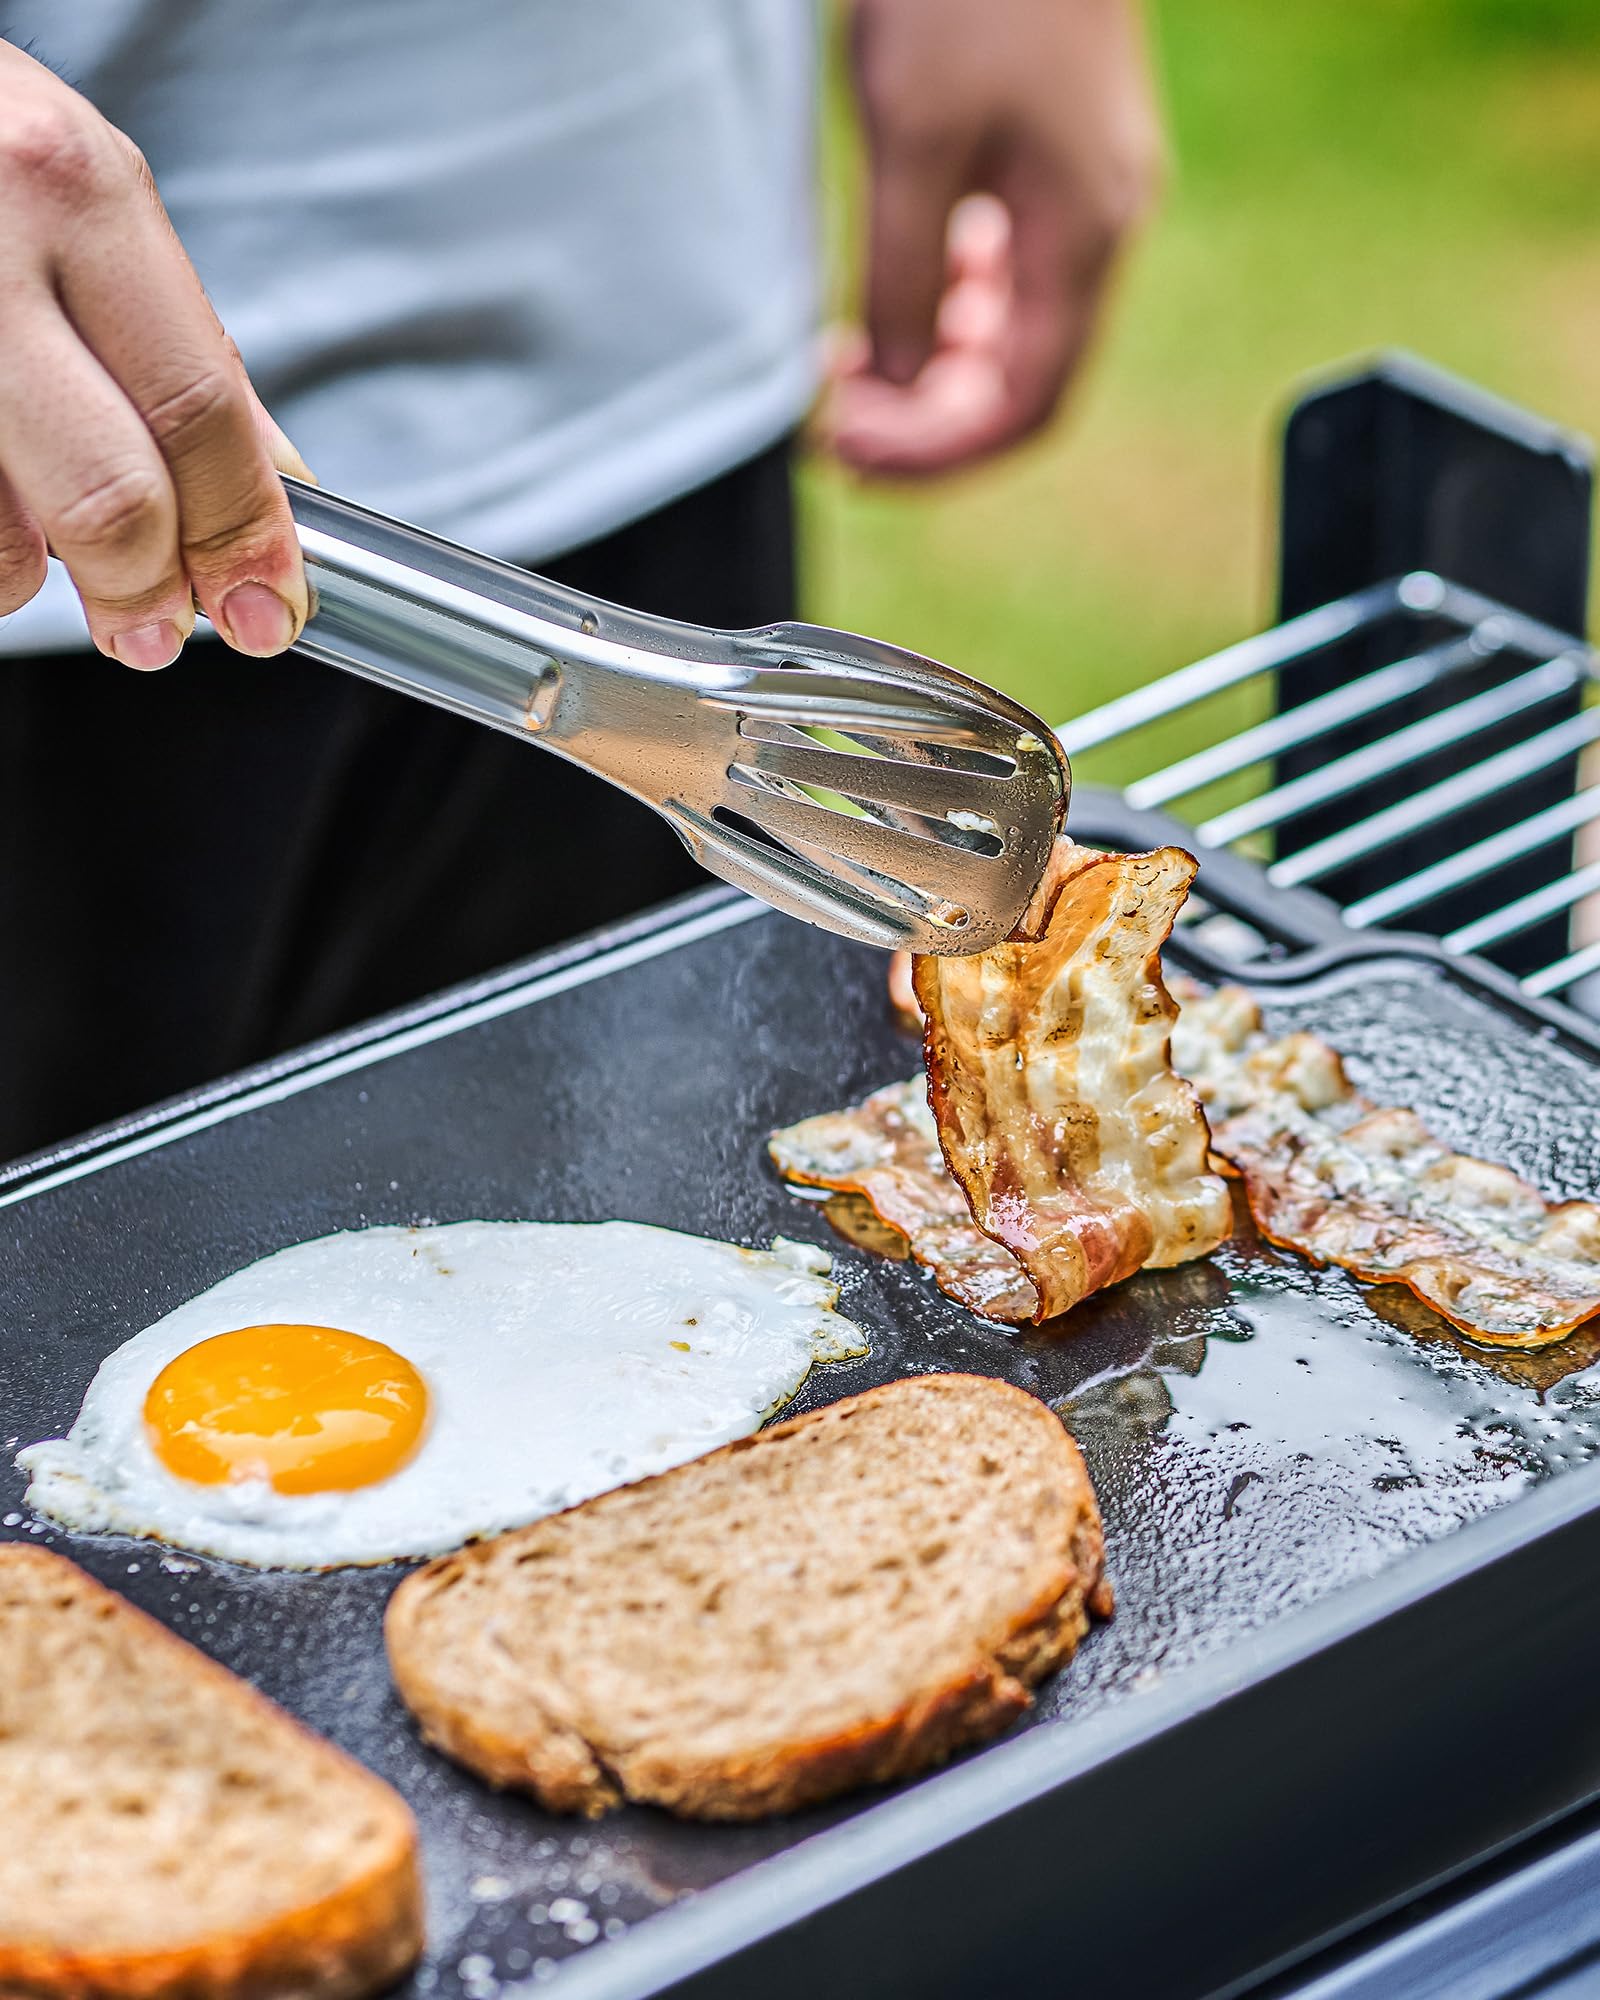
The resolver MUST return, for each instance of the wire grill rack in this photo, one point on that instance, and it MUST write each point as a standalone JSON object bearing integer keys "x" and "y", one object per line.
{"x": 1438, "y": 787}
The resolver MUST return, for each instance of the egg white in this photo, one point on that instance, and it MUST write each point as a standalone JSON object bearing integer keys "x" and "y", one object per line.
{"x": 561, "y": 1359}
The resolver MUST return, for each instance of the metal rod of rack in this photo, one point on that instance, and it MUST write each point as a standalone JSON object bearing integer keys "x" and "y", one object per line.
{"x": 1564, "y": 973}
{"x": 1474, "y": 862}
{"x": 1304, "y": 724}
{"x": 1309, "y": 633}
{"x": 1526, "y": 911}
{"x": 1436, "y": 802}
{"x": 1418, "y": 594}
{"x": 1390, "y": 753}
{"x": 1444, "y": 670}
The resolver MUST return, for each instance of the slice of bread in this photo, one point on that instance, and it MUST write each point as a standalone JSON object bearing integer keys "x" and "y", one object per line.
{"x": 169, "y": 1831}
{"x": 840, "y": 1600}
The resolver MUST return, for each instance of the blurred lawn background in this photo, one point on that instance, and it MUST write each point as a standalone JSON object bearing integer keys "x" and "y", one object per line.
{"x": 1347, "y": 174}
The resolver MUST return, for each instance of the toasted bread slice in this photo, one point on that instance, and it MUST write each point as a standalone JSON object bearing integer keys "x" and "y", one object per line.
{"x": 840, "y": 1600}
{"x": 168, "y": 1831}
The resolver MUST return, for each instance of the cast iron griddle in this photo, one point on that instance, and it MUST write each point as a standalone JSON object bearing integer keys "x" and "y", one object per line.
{"x": 1264, "y": 1439}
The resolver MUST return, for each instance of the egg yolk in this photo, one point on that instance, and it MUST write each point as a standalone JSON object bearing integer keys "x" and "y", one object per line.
{"x": 311, "y": 1409}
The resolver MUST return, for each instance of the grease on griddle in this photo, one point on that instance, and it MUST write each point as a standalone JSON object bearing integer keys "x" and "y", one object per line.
{"x": 1341, "y": 1393}
{"x": 1536, "y": 1368}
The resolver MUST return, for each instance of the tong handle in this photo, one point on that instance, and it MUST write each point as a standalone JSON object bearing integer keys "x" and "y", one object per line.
{"x": 483, "y": 638}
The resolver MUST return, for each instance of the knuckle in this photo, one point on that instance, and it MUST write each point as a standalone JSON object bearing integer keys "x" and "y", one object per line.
{"x": 193, "y": 415}
{"x": 251, "y": 540}
{"x": 126, "y": 509}
{"x": 49, "y": 151}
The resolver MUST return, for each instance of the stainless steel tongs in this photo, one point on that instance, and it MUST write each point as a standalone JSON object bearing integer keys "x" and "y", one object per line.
{"x": 843, "y": 780}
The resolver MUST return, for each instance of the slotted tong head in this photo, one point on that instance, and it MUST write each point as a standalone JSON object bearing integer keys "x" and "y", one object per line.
{"x": 845, "y": 781}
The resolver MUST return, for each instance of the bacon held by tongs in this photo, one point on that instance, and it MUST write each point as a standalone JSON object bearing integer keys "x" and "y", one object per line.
{"x": 1061, "y": 1153}
{"x": 1345, "y": 1181}
{"x": 1052, "y": 1087}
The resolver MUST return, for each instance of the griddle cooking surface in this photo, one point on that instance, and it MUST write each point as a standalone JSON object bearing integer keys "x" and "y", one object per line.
{"x": 1259, "y": 1433}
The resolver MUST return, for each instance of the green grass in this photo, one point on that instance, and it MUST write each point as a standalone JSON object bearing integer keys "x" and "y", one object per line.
{"x": 1348, "y": 174}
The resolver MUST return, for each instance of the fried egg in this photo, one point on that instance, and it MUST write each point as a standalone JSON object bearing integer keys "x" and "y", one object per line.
{"x": 396, "y": 1392}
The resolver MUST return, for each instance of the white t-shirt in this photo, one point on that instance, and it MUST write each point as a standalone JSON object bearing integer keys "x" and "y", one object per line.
{"x": 516, "y": 270}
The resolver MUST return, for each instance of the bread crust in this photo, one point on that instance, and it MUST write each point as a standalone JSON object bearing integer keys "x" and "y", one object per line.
{"x": 352, "y": 1942}
{"x": 529, "y": 1745}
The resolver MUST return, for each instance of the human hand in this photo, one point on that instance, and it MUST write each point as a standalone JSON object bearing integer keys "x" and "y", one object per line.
{"x": 1012, "y": 147}
{"x": 131, "y": 442}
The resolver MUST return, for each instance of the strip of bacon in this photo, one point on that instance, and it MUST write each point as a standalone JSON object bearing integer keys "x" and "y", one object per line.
{"x": 1082, "y": 1157}
{"x": 1052, "y": 1088}
{"x": 886, "y": 1150}
{"x": 1345, "y": 1181}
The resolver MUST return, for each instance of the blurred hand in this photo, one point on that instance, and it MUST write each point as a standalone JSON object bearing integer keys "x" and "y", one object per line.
{"x": 131, "y": 442}
{"x": 1012, "y": 146}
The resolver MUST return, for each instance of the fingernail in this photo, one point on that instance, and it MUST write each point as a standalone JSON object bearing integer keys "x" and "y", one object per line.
{"x": 149, "y": 646}
{"x": 256, "y": 619}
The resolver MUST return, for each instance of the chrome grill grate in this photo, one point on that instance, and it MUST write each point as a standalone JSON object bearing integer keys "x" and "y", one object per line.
{"x": 1444, "y": 778}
